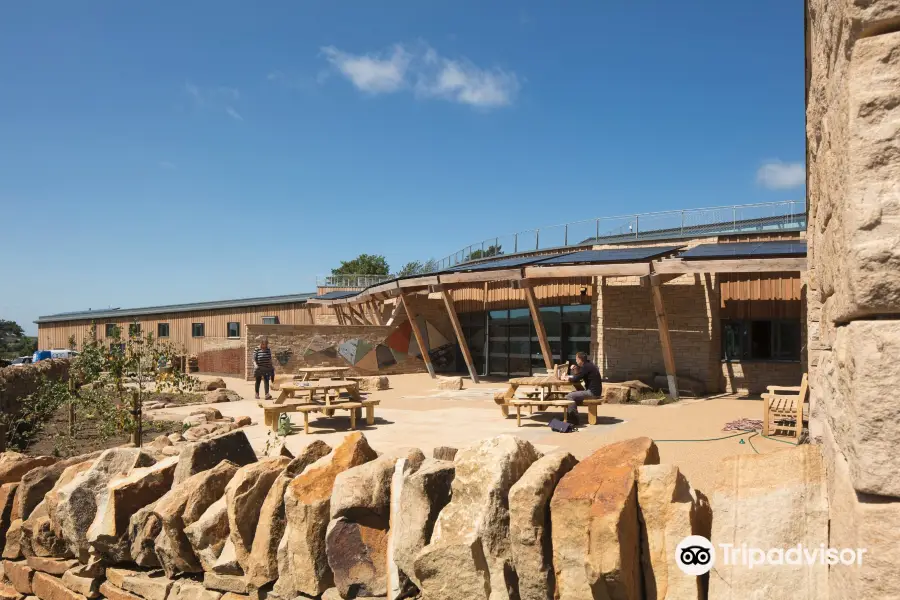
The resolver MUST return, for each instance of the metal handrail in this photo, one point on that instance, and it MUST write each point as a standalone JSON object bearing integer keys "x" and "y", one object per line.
{"x": 351, "y": 281}
{"x": 786, "y": 215}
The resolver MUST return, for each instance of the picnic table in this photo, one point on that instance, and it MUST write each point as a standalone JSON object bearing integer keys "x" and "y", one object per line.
{"x": 551, "y": 391}
{"x": 313, "y": 373}
{"x": 310, "y": 404}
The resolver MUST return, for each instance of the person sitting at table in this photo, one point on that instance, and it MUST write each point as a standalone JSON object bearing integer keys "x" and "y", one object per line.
{"x": 263, "y": 367}
{"x": 586, "y": 371}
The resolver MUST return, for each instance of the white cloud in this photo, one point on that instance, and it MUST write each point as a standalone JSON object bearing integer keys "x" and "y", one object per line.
{"x": 217, "y": 99}
{"x": 777, "y": 175}
{"x": 427, "y": 74}
{"x": 372, "y": 73}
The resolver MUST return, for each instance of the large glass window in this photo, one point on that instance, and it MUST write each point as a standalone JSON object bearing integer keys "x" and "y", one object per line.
{"x": 498, "y": 343}
{"x": 760, "y": 340}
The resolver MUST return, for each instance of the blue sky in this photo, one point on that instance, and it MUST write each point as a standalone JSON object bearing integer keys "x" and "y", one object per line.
{"x": 156, "y": 153}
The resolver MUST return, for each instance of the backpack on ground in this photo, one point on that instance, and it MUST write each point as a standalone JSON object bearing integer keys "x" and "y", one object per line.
{"x": 562, "y": 427}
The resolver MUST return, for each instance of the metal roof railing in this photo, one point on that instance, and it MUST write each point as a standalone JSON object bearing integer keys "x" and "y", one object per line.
{"x": 351, "y": 281}
{"x": 787, "y": 215}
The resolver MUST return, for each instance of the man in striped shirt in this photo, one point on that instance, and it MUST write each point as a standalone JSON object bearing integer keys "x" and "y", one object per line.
{"x": 263, "y": 367}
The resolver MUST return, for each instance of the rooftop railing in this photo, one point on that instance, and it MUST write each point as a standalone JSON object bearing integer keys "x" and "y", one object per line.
{"x": 788, "y": 215}
{"x": 351, "y": 281}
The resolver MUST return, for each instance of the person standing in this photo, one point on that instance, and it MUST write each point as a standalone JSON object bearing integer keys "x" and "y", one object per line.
{"x": 593, "y": 386}
{"x": 263, "y": 367}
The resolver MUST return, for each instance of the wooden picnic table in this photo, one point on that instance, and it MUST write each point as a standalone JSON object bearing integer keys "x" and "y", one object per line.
{"x": 326, "y": 387}
{"x": 313, "y": 373}
{"x": 550, "y": 389}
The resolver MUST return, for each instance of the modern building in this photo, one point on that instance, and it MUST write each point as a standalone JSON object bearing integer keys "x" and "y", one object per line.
{"x": 690, "y": 299}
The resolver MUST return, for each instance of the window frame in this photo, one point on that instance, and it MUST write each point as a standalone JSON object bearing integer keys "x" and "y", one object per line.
{"x": 776, "y": 338}
{"x": 274, "y": 319}
{"x": 135, "y": 330}
{"x": 228, "y": 330}
{"x": 109, "y": 330}
{"x": 202, "y": 330}
{"x": 159, "y": 334}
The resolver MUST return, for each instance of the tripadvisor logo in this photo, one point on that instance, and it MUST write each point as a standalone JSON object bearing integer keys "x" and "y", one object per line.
{"x": 695, "y": 555}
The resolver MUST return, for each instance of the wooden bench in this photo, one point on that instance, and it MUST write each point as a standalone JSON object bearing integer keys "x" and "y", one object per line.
{"x": 541, "y": 405}
{"x": 272, "y": 412}
{"x": 592, "y": 404}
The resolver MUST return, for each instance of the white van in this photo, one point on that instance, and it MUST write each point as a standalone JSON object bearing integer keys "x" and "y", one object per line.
{"x": 63, "y": 354}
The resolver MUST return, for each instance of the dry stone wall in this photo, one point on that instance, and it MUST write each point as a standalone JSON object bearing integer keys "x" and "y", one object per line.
{"x": 500, "y": 520}
{"x": 853, "y": 146}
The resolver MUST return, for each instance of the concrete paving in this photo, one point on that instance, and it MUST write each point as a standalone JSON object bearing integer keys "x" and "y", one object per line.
{"x": 414, "y": 413}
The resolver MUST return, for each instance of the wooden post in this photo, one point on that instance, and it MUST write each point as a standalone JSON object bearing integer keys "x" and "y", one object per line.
{"x": 665, "y": 340}
{"x": 337, "y": 314}
{"x": 312, "y": 315}
{"x": 539, "y": 327}
{"x": 420, "y": 339}
{"x": 460, "y": 337}
{"x": 379, "y": 318}
{"x": 395, "y": 313}
{"x": 137, "y": 434}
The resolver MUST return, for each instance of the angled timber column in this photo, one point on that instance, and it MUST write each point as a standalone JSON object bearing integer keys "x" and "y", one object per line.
{"x": 395, "y": 312}
{"x": 665, "y": 340}
{"x": 457, "y": 328}
{"x": 420, "y": 339}
{"x": 359, "y": 315}
{"x": 379, "y": 317}
{"x": 538, "y": 325}
{"x": 337, "y": 314}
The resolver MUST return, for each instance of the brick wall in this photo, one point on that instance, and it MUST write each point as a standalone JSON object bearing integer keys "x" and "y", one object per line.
{"x": 222, "y": 356}
{"x": 750, "y": 377}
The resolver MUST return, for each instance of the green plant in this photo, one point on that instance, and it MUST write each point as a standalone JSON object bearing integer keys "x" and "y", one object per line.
{"x": 36, "y": 409}
{"x": 364, "y": 264}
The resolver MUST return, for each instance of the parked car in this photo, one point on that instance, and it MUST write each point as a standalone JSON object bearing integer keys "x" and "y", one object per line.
{"x": 22, "y": 360}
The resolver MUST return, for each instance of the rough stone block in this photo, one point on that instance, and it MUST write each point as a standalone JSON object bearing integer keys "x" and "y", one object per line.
{"x": 89, "y": 587}
{"x": 47, "y": 587}
{"x": 186, "y": 589}
{"x": 153, "y": 586}
{"x": 450, "y": 383}
{"x": 8, "y": 592}
{"x": 775, "y": 500}
{"x": 233, "y": 446}
{"x": 235, "y": 584}
{"x": 52, "y": 566}
{"x": 20, "y": 575}
{"x": 112, "y": 592}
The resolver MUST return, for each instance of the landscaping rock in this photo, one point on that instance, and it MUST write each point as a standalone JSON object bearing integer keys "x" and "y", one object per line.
{"x": 111, "y": 592}
{"x": 14, "y": 465}
{"x": 53, "y": 566}
{"x": 686, "y": 385}
{"x": 748, "y": 488}
{"x": 89, "y": 587}
{"x": 669, "y": 511}
{"x": 37, "y": 482}
{"x": 228, "y": 583}
{"x": 233, "y": 447}
{"x": 150, "y": 586}
{"x": 263, "y": 564}
{"x": 245, "y": 422}
{"x": 373, "y": 384}
{"x": 127, "y": 494}
{"x": 116, "y": 576}
{"x": 51, "y": 499}
{"x": 208, "y": 431}
{"x": 13, "y": 548}
{"x": 595, "y": 533}
{"x": 357, "y": 555}
{"x": 332, "y": 594}
{"x": 38, "y": 537}
{"x": 469, "y": 553}
{"x": 302, "y": 561}
{"x": 194, "y": 421}
{"x": 180, "y": 508}
{"x": 215, "y": 384}
{"x": 220, "y": 396}
{"x": 444, "y": 453}
{"x": 20, "y": 575}
{"x": 47, "y": 587}
{"x": 211, "y": 414}
{"x": 170, "y": 451}
{"x": 614, "y": 394}
{"x": 143, "y": 529}
{"x": 244, "y": 495}
{"x": 209, "y": 533}
{"x": 176, "y": 438}
{"x": 8, "y": 592}
{"x": 7, "y": 499}
{"x": 227, "y": 563}
{"x": 529, "y": 525}
{"x": 77, "y": 501}
{"x": 449, "y": 383}
{"x": 398, "y": 583}
{"x": 364, "y": 491}
{"x": 185, "y": 589}
{"x": 279, "y": 448}
{"x": 423, "y": 494}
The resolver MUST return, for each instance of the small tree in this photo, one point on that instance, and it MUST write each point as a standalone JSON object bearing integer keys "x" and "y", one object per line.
{"x": 487, "y": 252}
{"x": 364, "y": 264}
{"x": 418, "y": 268}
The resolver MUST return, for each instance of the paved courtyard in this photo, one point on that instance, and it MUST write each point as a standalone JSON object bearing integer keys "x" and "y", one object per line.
{"x": 414, "y": 413}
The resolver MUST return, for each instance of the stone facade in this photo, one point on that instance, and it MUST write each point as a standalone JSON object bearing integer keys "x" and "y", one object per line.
{"x": 221, "y": 355}
{"x": 853, "y": 147}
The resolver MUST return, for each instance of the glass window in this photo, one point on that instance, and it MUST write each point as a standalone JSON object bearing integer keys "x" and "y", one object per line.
{"x": 234, "y": 329}
{"x": 786, "y": 340}
{"x": 576, "y": 326}
{"x": 111, "y": 330}
{"x": 197, "y": 330}
{"x": 162, "y": 330}
{"x": 498, "y": 342}
{"x": 134, "y": 329}
{"x": 761, "y": 340}
{"x": 270, "y": 320}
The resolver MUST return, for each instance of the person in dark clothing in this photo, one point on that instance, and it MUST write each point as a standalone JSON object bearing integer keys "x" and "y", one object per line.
{"x": 263, "y": 367}
{"x": 588, "y": 373}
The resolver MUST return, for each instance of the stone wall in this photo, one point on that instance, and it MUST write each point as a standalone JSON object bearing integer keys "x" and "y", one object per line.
{"x": 18, "y": 382}
{"x": 749, "y": 377}
{"x": 627, "y": 335}
{"x": 211, "y": 520}
{"x": 222, "y": 356}
{"x": 853, "y": 149}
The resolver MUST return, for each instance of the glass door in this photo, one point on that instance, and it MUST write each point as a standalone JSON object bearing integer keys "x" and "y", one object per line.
{"x": 498, "y": 343}
{"x": 519, "y": 342}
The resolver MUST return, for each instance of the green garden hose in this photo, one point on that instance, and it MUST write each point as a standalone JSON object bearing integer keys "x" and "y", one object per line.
{"x": 742, "y": 432}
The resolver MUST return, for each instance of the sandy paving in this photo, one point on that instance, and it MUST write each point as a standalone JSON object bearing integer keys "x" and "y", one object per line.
{"x": 414, "y": 413}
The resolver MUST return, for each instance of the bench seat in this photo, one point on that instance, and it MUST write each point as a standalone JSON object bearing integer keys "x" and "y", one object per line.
{"x": 272, "y": 411}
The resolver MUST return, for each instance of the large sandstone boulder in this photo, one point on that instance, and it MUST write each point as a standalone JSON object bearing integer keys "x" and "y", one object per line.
{"x": 47, "y": 587}
{"x": 227, "y": 563}
{"x": 469, "y": 554}
{"x": 51, "y": 499}
{"x": 38, "y": 537}
{"x": 143, "y": 529}
{"x": 53, "y": 566}
{"x": 233, "y": 447}
{"x": 127, "y": 494}
{"x": 185, "y": 589}
{"x": 775, "y": 500}
{"x": 529, "y": 525}
{"x": 373, "y": 384}
{"x": 416, "y": 501}
{"x": 89, "y": 587}
{"x": 209, "y": 533}
{"x": 20, "y": 575}
{"x": 670, "y": 510}
{"x": 13, "y": 548}
{"x": 263, "y": 564}
{"x": 77, "y": 501}
{"x": 215, "y": 384}
{"x": 150, "y": 586}
{"x": 596, "y": 534}
{"x": 179, "y": 508}
{"x": 7, "y": 499}
{"x": 220, "y": 396}
{"x": 37, "y": 482}
{"x": 302, "y": 561}
{"x": 450, "y": 383}
{"x": 444, "y": 453}
{"x": 14, "y": 465}
{"x": 244, "y": 495}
